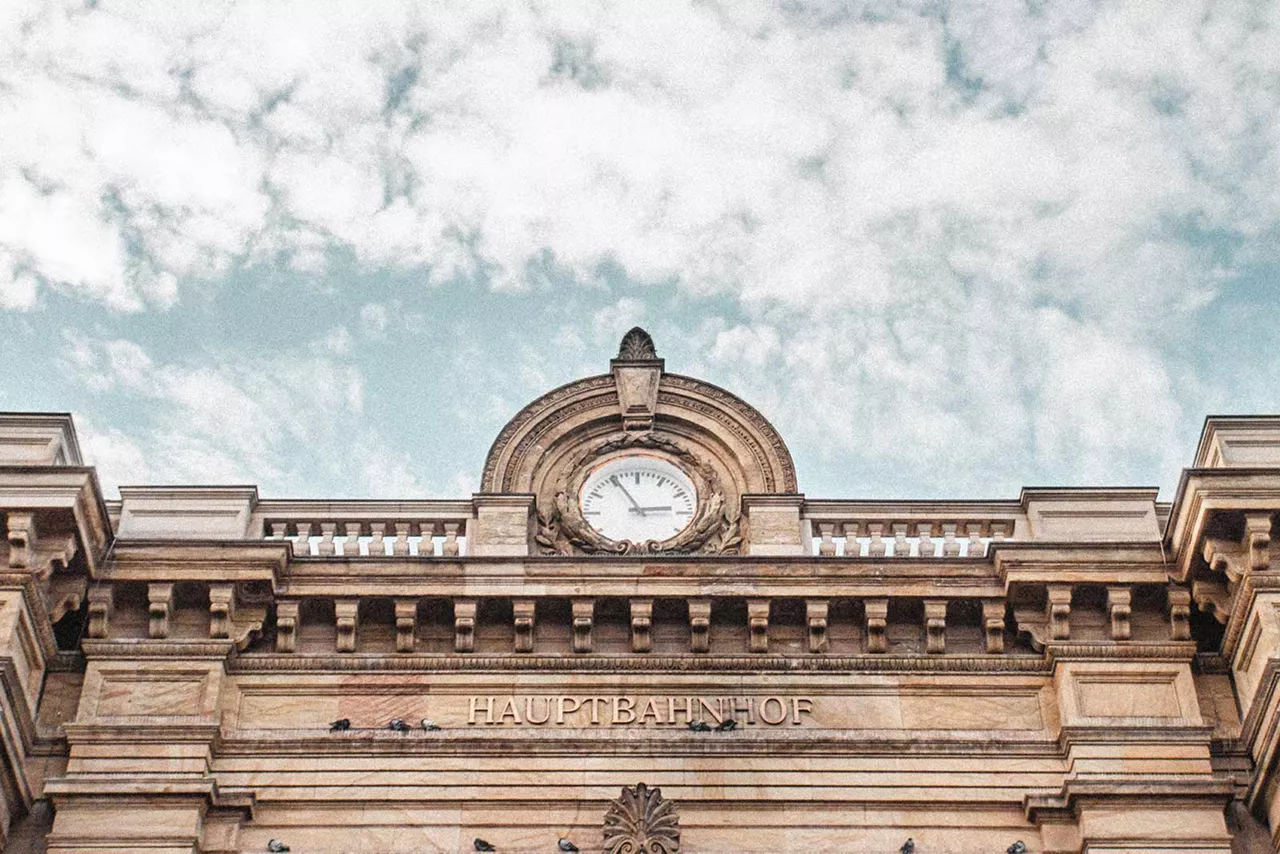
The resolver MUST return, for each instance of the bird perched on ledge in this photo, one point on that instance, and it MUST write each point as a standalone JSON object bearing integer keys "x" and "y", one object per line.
{"x": 726, "y": 725}
{"x": 430, "y": 725}
{"x": 908, "y": 847}
{"x": 340, "y": 725}
{"x": 1018, "y": 847}
{"x": 398, "y": 725}
{"x": 699, "y": 726}
{"x": 480, "y": 845}
{"x": 275, "y": 846}
{"x": 566, "y": 846}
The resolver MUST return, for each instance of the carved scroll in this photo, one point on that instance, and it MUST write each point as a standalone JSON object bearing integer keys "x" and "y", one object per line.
{"x": 639, "y": 821}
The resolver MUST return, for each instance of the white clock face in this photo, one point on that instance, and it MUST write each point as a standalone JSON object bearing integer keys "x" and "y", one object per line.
{"x": 638, "y": 498}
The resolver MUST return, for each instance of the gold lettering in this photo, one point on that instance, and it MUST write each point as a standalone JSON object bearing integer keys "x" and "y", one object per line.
{"x": 650, "y": 709}
{"x": 564, "y": 707}
{"x": 628, "y": 708}
{"x": 799, "y": 706}
{"x": 474, "y": 707}
{"x": 528, "y": 710}
{"x": 764, "y": 710}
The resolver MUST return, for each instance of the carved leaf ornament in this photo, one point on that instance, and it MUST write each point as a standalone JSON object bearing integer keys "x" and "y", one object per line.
{"x": 714, "y": 529}
{"x": 637, "y": 345}
{"x": 639, "y": 821}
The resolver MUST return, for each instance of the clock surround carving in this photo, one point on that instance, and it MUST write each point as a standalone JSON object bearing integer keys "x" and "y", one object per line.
{"x": 714, "y": 529}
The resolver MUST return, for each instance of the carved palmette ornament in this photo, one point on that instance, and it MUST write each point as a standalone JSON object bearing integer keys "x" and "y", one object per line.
{"x": 715, "y": 528}
{"x": 639, "y": 821}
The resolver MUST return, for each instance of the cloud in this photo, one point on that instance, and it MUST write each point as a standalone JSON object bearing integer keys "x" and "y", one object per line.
{"x": 929, "y": 239}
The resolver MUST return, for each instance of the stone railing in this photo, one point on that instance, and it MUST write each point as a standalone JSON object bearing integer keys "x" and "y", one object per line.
{"x": 910, "y": 529}
{"x": 366, "y": 528}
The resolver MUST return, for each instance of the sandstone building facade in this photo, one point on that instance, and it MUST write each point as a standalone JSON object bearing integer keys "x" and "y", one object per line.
{"x": 639, "y": 636}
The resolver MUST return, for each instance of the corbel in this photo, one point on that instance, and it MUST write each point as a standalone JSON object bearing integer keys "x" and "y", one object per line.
{"x": 816, "y": 615}
{"x": 1257, "y": 540}
{"x": 346, "y": 612}
{"x": 524, "y": 611}
{"x": 641, "y": 625}
{"x": 1179, "y": 613}
{"x": 993, "y": 625}
{"x": 406, "y": 624}
{"x": 877, "y": 618}
{"x": 583, "y": 618}
{"x": 1213, "y": 597}
{"x": 22, "y": 539}
{"x": 101, "y": 607}
{"x": 66, "y": 594}
{"x": 1058, "y": 610}
{"x": 286, "y": 626}
{"x": 464, "y": 625}
{"x": 159, "y": 607}
{"x": 699, "y": 625}
{"x": 935, "y": 626}
{"x": 221, "y": 609}
{"x": 758, "y": 625}
{"x": 1119, "y": 600}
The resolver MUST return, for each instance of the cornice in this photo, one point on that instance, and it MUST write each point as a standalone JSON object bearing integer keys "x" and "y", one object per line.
{"x": 208, "y": 650}
{"x": 198, "y": 560}
{"x": 681, "y": 664}
{"x": 1173, "y": 651}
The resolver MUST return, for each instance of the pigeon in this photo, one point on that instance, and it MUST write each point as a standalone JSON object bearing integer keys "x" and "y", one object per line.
{"x": 398, "y": 725}
{"x": 726, "y": 725}
{"x": 481, "y": 845}
{"x": 699, "y": 726}
{"x": 908, "y": 847}
{"x": 340, "y": 725}
{"x": 276, "y": 846}
{"x": 566, "y": 845}
{"x": 430, "y": 725}
{"x": 1018, "y": 847}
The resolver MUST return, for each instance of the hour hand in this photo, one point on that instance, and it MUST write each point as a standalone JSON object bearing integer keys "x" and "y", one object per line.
{"x": 647, "y": 509}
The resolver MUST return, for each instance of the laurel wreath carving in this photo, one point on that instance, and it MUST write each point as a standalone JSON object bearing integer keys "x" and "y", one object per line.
{"x": 715, "y": 528}
{"x": 640, "y": 821}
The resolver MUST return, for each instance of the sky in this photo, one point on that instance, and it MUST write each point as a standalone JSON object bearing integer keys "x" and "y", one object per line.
{"x": 948, "y": 248}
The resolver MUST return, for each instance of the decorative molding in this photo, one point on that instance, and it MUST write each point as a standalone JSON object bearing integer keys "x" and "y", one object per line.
{"x": 715, "y": 528}
{"x": 646, "y": 663}
{"x": 637, "y": 345}
{"x": 641, "y": 821}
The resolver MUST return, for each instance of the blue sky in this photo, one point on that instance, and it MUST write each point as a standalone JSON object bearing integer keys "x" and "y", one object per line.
{"x": 949, "y": 248}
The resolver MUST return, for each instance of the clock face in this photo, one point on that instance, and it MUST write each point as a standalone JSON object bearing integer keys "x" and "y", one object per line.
{"x": 638, "y": 498}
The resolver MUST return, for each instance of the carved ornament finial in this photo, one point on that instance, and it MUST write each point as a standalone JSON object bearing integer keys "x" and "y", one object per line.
{"x": 637, "y": 344}
{"x": 639, "y": 821}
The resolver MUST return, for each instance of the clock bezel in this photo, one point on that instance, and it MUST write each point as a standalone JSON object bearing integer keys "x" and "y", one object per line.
{"x": 589, "y": 473}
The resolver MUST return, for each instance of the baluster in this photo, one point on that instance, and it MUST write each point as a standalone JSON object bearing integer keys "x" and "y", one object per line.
{"x": 876, "y": 547}
{"x": 999, "y": 531}
{"x": 400, "y": 545}
{"x": 901, "y": 548}
{"x": 827, "y": 547}
{"x": 950, "y": 545}
{"x": 377, "y": 543}
{"x": 450, "y": 539}
{"x": 302, "y": 543}
{"x": 351, "y": 547}
{"x": 279, "y": 530}
{"x": 426, "y": 539}
{"x": 852, "y": 548}
{"x": 975, "y": 547}
{"x": 926, "y": 547}
{"x": 327, "y": 531}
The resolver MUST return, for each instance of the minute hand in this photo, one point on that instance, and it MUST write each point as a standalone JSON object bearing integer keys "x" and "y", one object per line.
{"x": 635, "y": 505}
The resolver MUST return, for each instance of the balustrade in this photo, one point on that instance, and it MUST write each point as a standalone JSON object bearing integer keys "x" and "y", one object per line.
{"x": 866, "y": 529}
{"x": 368, "y": 528}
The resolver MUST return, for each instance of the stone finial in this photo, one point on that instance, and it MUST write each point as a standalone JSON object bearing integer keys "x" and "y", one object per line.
{"x": 640, "y": 820}
{"x": 637, "y": 345}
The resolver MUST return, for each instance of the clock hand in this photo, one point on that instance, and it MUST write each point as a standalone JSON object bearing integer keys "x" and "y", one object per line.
{"x": 635, "y": 505}
{"x": 646, "y": 509}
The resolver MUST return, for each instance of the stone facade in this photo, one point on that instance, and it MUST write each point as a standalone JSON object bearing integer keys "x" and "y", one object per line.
{"x": 199, "y": 669}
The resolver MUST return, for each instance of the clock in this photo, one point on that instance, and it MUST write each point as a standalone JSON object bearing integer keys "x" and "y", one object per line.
{"x": 637, "y": 498}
